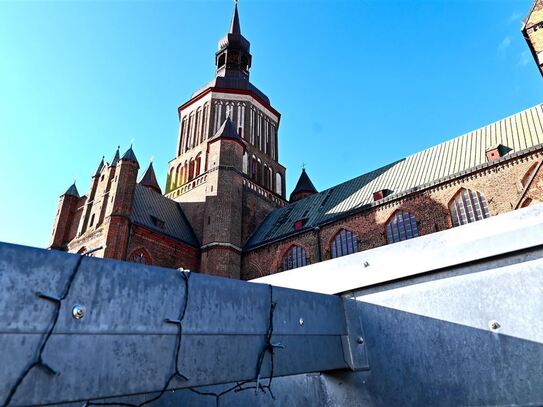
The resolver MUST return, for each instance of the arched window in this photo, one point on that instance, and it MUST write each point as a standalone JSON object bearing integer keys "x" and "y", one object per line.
{"x": 179, "y": 176}
{"x": 401, "y": 226}
{"x": 198, "y": 164}
{"x": 222, "y": 60}
{"x": 278, "y": 184}
{"x": 245, "y": 162}
{"x": 265, "y": 183}
{"x": 185, "y": 172}
{"x": 254, "y": 166}
{"x": 259, "y": 171}
{"x": 295, "y": 257}
{"x": 198, "y": 128}
{"x": 270, "y": 178}
{"x": 205, "y": 125}
{"x": 468, "y": 206}
{"x": 140, "y": 256}
{"x": 191, "y": 169}
{"x": 345, "y": 242}
{"x": 171, "y": 179}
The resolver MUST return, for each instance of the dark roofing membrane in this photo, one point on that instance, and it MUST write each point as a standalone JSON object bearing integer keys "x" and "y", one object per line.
{"x": 72, "y": 191}
{"x": 304, "y": 184}
{"x": 440, "y": 163}
{"x": 149, "y": 179}
{"x": 100, "y": 166}
{"x": 130, "y": 156}
{"x": 148, "y": 204}
{"x": 227, "y": 130}
{"x": 116, "y": 158}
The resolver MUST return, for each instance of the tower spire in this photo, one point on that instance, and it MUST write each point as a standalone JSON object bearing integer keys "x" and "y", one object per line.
{"x": 234, "y": 24}
{"x": 233, "y": 58}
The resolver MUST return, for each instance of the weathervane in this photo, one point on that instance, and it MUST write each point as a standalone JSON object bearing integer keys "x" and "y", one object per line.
{"x": 303, "y": 164}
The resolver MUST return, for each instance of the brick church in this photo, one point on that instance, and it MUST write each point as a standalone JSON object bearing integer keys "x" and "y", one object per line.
{"x": 224, "y": 209}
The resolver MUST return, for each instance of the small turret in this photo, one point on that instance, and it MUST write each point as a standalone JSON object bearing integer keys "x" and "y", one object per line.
{"x": 63, "y": 231}
{"x": 303, "y": 188}
{"x": 72, "y": 191}
{"x": 149, "y": 180}
{"x": 115, "y": 160}
{"x": 99, "y": 169}
{"x": 130, "y": 156}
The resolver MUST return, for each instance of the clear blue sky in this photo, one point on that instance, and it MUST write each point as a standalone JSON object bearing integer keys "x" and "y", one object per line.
{"x": 359, "y": 84}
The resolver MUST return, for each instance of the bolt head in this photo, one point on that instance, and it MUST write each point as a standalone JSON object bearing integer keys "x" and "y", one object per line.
{"x": 301, "y": 321}
{"x": 366, "y": 264}
{"x": 78, "y": 311}
{"x": 360, "y": 340}
{"x": 494, "y": 325}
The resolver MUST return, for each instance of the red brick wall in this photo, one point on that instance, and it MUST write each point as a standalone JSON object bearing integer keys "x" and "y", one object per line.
{"x": 501, "y": 185}
{"x": 164, "y": 251}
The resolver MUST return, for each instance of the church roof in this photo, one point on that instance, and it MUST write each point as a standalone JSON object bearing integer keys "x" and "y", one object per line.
{"x": 72, "y": 191}
{"x": 228, "y": 82}
{"x": 227, "y": 130}
{"x": 163, "y": 215}
{"x": 116, "y": 158}
{"x": 149, "y": 179}
{"x": 130, "y": 156}
{"x": 99, "y": 169}
{"x": 304, "y": 184}
{"x": 234, "y": 24}
{"x": 522, "y": 133}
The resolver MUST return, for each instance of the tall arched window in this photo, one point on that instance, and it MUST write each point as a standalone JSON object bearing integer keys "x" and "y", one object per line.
{"x": 345, "y": 242}
{"x": 265, "y": 180}
{"x": 140, "y": 256}
{"x": 171, "y": 179}
{"x": 468, "y": 206}
{"x": 205, "y": 122}
{"x": 270, "y": 178}
{"x": 245, "y": 162}
{"x": 401, "y": 226}
{"x": 198, "y": 165}
{"x": 179, "y": 175}
{"x": 278, "y": 184}
{"x": 254, "y": 166}
{"x": 191, "y": 169}
{"x": 294, "y": 258}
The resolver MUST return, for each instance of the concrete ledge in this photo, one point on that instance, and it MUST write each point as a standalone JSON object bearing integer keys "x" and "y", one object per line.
{"x": 498, "y": 235}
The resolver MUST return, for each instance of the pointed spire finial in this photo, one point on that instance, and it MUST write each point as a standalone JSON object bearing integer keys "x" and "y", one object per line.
{"x": 234, "y": 24}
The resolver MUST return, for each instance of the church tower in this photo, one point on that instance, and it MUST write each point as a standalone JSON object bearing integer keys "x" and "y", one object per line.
{"x": 226, "y": 173}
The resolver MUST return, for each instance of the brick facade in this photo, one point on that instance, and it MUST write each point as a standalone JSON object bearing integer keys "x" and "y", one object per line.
{"x": 502, "y": 185}
{"x": 222, "y": 184}
{"x": 533, "y": 32}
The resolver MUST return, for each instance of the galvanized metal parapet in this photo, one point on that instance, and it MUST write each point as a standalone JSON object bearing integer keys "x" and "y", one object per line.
{"x": 124, "y": 328}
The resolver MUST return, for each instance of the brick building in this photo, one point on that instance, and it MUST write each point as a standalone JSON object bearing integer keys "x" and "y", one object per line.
{"x": 532, "y": 29}
{"x": 224, "y": 209}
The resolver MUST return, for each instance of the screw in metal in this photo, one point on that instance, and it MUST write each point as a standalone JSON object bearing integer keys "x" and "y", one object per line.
{"x": 78, "y": 311}
{"x": 366, "y": 264}
{"x": 301, "y": 321}
{"x": 494, "y": 325}
{"x": 360, "y": 340}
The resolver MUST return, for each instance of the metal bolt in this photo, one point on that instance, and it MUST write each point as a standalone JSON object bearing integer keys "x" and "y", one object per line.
{"x": 366, "y": 264}
{"x": 301, "y": 321}
{"x": 494, "y": 325}
{"x": 360, "y": 340}
{"x": 78, "y": 311}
